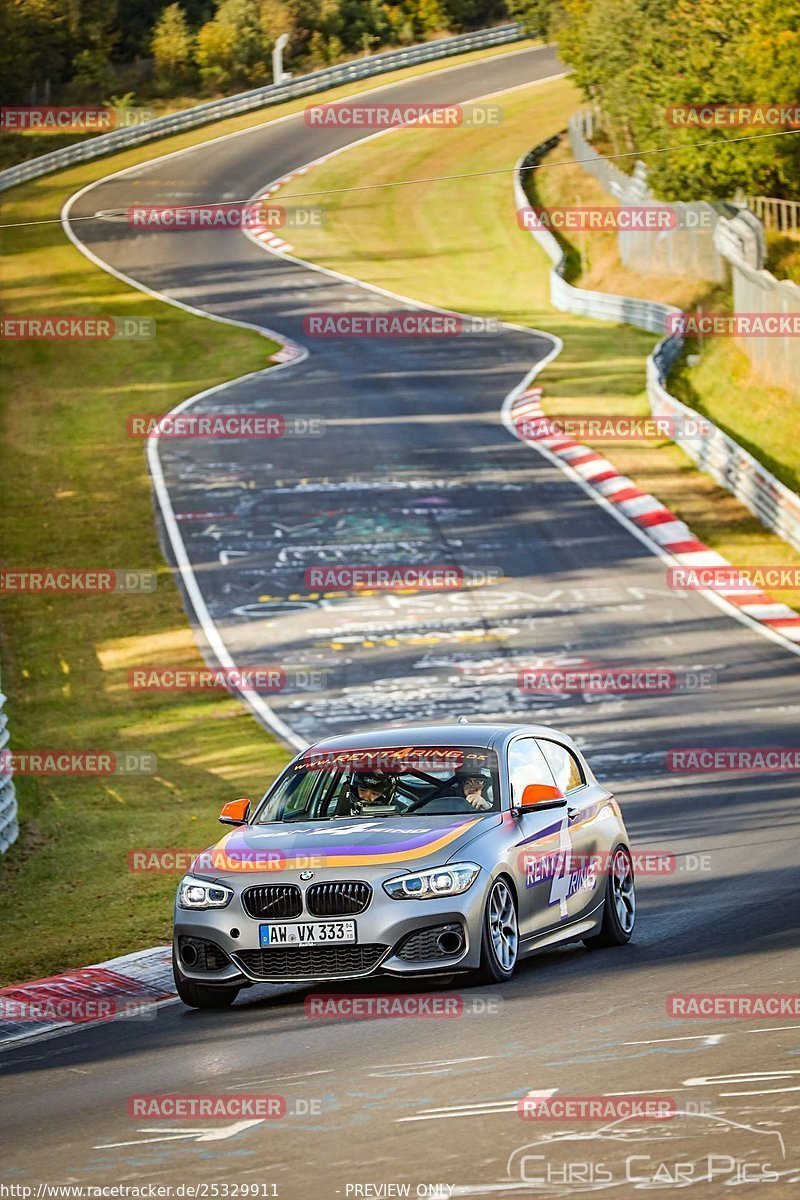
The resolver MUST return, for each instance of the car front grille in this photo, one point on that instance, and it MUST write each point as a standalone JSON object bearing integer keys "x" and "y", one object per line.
{"x": 339, "y": 898}
{"x": 274, "y": 901}
{"x": 311, "y": 962}
{"x": 421, "y": 946}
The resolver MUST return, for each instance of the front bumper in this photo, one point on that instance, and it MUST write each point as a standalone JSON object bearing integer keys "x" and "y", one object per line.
{"x": 383, "y": 934}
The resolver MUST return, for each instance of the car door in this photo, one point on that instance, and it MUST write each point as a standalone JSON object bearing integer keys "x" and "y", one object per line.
{"x": 579, "y": 887}
{"x": 541, "y": 852}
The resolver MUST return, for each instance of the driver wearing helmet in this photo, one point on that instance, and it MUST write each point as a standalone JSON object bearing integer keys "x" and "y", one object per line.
{"x": 371, "y": 789}
{"x": 474, "y": 782}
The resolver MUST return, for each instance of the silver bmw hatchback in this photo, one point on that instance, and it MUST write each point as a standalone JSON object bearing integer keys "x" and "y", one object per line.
{"x": 409, "y": 851}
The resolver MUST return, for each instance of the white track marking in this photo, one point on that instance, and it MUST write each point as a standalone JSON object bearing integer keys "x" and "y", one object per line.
{"x": 718, "y": 601}
{"x": 434, "y": 1062}
{"x": 764, "y": 1092}
{"x": 487, "y": 1108}
{"x": 214, "y": 638}
{"x": 197, "y": 1135}
{"x": 253, "y": 699}
{"x": 744, "y": 1077}
{"x": 711, "y": 1039}
{"x": 648, "y": 540}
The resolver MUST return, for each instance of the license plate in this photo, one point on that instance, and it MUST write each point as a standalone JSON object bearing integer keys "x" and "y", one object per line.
{"x": 314, "y": 933}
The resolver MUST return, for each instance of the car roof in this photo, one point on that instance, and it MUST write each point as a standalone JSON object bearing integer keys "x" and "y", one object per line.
{"x": 492, "y": 736}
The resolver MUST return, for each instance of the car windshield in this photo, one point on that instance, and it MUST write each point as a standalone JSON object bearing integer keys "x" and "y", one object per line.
{"x": 425, "y": 780}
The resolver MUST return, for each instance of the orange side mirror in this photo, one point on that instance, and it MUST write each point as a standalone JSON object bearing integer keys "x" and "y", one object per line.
{"x": 541, "y": 793}
{"x": 235, "y": 812}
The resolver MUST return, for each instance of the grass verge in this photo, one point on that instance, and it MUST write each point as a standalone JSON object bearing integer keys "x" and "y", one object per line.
{"x": 462, "y": 249}
{"x": 76, "y": 492}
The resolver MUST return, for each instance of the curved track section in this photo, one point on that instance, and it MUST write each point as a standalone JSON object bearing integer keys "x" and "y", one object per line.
{"x": 416, "y": 466}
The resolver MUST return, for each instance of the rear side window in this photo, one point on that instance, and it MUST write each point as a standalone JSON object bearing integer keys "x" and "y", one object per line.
{"x": 566, "y": 769}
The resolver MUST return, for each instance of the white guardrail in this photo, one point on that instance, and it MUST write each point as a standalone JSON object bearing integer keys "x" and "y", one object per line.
{"x": 775, "y": 505}
{"x": 8, "y": 799}
{"x": 230, "y": 106}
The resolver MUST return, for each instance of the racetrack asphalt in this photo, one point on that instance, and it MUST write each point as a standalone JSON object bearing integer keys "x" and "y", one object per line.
{"x": 416, "y": 467}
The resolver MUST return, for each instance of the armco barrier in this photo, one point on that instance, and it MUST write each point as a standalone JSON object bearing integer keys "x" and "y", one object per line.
{"x": 230, "y": 106}
{"x": 9, "y": 828}
{"x": 603, "y": 306}
{"x": 775, "y": 505}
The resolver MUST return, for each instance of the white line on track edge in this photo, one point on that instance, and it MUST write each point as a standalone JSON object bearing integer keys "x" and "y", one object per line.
{"x": 214, "y": 639}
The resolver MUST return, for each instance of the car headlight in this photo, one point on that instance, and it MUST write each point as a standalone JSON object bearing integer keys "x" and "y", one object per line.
{"x": 201, "y": 893}
{"x": 438, "y": 881}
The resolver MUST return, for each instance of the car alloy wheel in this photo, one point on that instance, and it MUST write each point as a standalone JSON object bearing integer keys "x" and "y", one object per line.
{"x": 622, "y": 890}
{"x": 503, "y": 926}
{"x": 619, "y": 907}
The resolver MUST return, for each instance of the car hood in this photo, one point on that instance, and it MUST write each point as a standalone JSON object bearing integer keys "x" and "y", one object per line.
{"x": 410, "y": 842}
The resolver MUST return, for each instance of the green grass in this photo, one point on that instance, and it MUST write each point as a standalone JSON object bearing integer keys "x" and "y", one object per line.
{"x": 783, "y": 255}
{"x": 75, "y": 491}
{"x": 462, "y": 249}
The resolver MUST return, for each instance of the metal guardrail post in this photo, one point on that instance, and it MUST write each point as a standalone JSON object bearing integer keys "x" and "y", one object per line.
{"x": 9, "y": 828}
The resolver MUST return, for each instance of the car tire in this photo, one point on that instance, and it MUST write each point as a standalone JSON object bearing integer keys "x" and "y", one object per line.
{"x": 500, "y": 938}
{"x": 619, "y": 905}
{"x": 200, "y": 995}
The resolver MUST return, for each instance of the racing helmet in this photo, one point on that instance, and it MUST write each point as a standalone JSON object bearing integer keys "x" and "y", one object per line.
{"x": 478, "y": 771}
{"x": 375, "y": 780}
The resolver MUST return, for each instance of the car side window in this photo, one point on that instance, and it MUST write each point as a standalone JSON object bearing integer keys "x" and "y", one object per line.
{"x": 566, "y": 769}
{"x": 526, "y": 764}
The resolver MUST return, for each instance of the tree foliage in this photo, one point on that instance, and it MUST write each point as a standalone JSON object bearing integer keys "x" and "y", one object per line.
{"x": 172, "y": 45}
{"x": 637, "y": 59}
{"x": 81, "y": 49}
